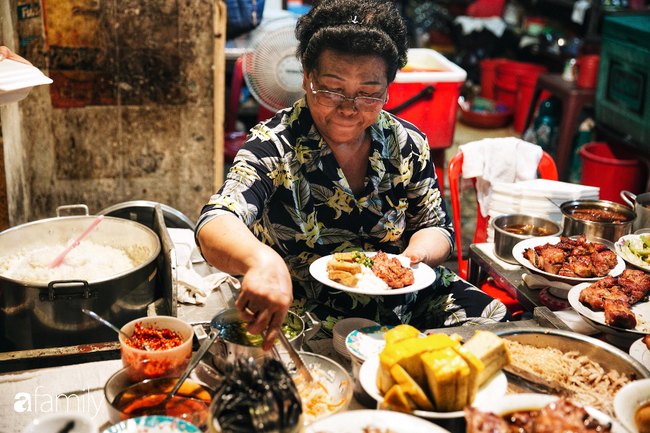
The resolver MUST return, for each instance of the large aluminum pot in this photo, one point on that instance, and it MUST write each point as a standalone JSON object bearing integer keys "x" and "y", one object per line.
{"x": 226, "y": 352}
{"x": 504, "y": 240}
{"x": 606, "y": 230}
{"x": 641, "y": 205}
{"x": 40, "y": 315}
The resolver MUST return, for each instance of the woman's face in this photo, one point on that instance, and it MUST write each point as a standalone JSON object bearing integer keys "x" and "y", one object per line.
{"x": 351, "y": 76}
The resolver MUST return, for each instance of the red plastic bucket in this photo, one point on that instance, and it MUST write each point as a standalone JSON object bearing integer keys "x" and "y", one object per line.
{"x": 612, "y": 169}
{"x": 506, "y": 92}
{"x": 488, "y": 76}
{"x": 525, "y": 90}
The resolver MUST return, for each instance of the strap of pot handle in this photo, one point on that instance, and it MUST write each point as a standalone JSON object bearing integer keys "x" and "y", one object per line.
{"x": 629, "y": 198}
{"x": 427, "y": 92}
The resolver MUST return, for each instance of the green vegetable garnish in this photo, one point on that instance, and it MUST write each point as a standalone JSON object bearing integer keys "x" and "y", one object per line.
{"x": 237, "y": 333}
{"x": 363, "y": 259}
{"x": 645, "y": 241}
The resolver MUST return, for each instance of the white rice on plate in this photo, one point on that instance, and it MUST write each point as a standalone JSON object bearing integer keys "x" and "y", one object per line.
{"x": 88, "y": 261}
{"x": 369, "y": 281}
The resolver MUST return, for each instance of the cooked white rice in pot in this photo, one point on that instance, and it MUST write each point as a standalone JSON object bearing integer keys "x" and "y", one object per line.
{"x": 88, "y": 261}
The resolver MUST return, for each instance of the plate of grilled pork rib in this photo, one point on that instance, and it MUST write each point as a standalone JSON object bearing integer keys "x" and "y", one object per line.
{"x": 572, "y": 260}
{"x": 616, "y": 302}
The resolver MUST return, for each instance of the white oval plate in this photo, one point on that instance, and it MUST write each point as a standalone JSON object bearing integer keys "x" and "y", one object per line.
{"x": 630, "y": 398}
{"x": 618, "y": 246}
{"x": 423, "y": 274}
{"x": 516, "y": 402}
{"x": 641, "y": 310}
{"x": 495, "y": 388}
{"x": 359, "y": 420}
{"x": 640, "y": 352}
{"x": 518, "y": 254}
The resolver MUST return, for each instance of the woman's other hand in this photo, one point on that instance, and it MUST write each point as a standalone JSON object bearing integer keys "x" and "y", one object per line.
{"x": 6, "y": 53}
{"x": 266, "y": 292}
{"x": 428, "y": 246}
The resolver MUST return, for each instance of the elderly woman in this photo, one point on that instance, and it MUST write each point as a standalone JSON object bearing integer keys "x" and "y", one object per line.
{"x": 335, "y": 173}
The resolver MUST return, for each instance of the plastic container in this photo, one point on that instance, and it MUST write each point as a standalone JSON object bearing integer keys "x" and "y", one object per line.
{"x": 613, "y": 169}
{"x": 486, "y": 8}
{"x": 489, "y": 75}
{"x": 433, "y": 114}
{"x": 525, "y": 89}
{"x": 506, "y": 92}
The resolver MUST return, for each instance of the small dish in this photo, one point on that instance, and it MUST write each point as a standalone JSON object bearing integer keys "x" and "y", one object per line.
{"x": 494, "y": 389}
{"x": 57, "y": 422}
{"x": 640, "y": 352}
{"x": 151, "y": 424}
{"x": 366, "y": 342}
{"x": 628, "y": 400}
{"x": 17, "y": 80}
{"x": 360, "y": 421}
{"x": 627, "y": 255}
{"x": 169, "y": 358}
{"x": 344, "y": 327}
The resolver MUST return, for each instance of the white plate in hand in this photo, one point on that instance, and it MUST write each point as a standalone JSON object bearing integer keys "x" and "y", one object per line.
{"x": 641, "y": 310}
{"x": 518, "y": 254}
{"x": 495, "y": 388}
{"x": 424, "y": 276}
{"x": 17, "y": 80}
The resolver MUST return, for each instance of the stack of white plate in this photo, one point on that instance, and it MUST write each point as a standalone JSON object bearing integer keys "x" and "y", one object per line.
{"x": 539, "y": 197}
{"x": 341, "y": 330}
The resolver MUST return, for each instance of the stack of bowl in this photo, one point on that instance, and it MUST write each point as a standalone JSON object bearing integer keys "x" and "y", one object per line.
{"x": 341, "y": 330}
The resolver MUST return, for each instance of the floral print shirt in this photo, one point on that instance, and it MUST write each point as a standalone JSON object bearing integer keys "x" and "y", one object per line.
{"x": 287, "y": 187}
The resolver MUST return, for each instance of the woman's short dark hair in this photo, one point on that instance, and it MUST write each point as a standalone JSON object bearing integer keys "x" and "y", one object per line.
{"x": 358, "y": 27}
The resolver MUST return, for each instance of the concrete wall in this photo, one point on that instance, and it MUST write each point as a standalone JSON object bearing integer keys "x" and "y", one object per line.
{"x": 130, "y": 113}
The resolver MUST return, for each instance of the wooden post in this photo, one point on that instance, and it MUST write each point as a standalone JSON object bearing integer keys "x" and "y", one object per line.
{"x": 14, "y": 156}
{"x": 220, "y": 19}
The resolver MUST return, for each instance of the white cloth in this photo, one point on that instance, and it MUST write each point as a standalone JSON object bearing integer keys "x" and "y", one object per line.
{"x": 196, "y": 278}
{"x": 498, "y": 160}
{"x": 495, "y": 25}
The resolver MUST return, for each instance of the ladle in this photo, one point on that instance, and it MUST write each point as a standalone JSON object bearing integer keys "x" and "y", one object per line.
{"x": 160, "y": 407}
{"x": 115, "y": 328}
{"x": 59, "y": 259}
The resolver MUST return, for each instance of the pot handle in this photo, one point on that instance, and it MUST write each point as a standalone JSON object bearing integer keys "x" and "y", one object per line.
{"x": 67, "y": 294}
{"x": 314, "y": 326}
{"x": 72, "y": 206}
{"x": 629, "y": 198}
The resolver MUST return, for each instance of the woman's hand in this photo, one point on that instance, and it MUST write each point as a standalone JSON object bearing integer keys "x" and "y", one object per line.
{"x": 6, "y": 53}
{"x": 266, "y": 292}
{"x": 428, "y": 246}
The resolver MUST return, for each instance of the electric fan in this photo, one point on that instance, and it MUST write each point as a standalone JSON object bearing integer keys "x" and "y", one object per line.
{"x": 271, "y": 70}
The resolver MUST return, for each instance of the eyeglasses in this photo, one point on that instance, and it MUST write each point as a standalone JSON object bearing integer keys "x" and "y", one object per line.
{"x": 333, "y": 99}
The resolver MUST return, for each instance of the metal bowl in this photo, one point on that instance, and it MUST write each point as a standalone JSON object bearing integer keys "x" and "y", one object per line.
{"x": 608, "y": 356}
{"x": 605, "y": 230}
{"x": 504, "y": 240}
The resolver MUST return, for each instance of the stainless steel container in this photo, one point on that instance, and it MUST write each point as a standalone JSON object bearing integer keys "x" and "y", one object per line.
{"x": 641, "y": 205}
{"x": 227, "y": 352}
{"x": 41, "y": 315}
{"x": 608, "y": 356}
{"x": 606, "y": 230}
{"x": 504, "y": 240}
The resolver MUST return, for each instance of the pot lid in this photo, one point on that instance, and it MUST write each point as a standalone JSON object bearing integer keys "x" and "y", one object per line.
{"x": 142, "y": 211}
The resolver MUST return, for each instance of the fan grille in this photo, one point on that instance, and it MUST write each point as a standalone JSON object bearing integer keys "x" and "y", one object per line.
{"x": 271, "y": 70}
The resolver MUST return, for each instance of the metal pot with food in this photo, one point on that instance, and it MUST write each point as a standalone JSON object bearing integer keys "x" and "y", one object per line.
{"x": 510, "y": 229}
{"x": 641, "y": 205}
{"x": 111, "y": 272}
{"x": 234, "y": 340}
{"x": 597, "y": 218}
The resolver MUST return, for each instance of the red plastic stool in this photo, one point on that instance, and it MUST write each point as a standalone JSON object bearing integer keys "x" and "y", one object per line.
{"x": 573, "y": 100}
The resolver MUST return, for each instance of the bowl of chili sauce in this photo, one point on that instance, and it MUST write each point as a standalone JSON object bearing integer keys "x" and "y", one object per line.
{"x": 170, "y": 341}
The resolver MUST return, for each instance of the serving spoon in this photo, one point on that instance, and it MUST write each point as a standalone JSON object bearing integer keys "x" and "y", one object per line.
{"x": 59, "y": 259}
{"x": 115, "y": 328}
